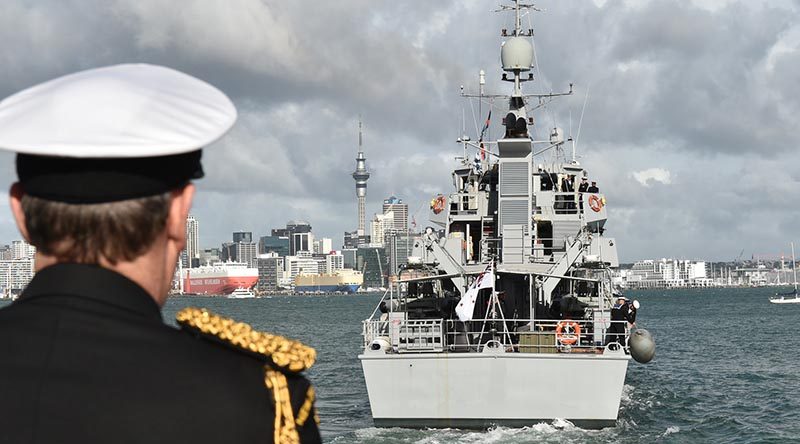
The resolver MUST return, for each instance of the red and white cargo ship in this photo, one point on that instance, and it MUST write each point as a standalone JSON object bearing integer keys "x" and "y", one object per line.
{"x": 219, "y": 278}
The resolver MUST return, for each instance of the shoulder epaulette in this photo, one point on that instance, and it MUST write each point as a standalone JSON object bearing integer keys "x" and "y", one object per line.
{"x": 284, "y": 353}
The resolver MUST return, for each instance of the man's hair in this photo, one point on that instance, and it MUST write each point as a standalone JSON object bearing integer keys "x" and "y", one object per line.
{"x": 85, "y": 233}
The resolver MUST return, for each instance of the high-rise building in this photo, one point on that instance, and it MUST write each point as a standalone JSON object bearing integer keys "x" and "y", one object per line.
{"x": 399, "y": 246}
{"x": 15, "y": 274}
{"x": 247, "y": 252}
{"x": 270, "y": 272}
{"x": 360, "y": 175}
{"x": 22, "y": 249}
{"x": 303, "y": 263}
{"x": 242, "y": 249}
{"x": 350, "y": 256}
{"x": 352, "y": 239}
{"x": 274, "y": 244}
{"x": 333, "y": 262}
{"x": 209, "y": 255}
{"x": 295, "y": 244}
{"x": 323, "y": 245}
{"x": 192, "y": 251}
{"x": 301, "y": 242}
{"x": 374, "y": 264}
{"x": 381, "y": 224}
{"x": 242, "y": 236}
{"x": 399, "y": 212}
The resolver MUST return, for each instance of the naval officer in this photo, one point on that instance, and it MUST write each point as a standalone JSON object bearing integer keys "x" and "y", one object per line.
{"x": 105, "y": 160}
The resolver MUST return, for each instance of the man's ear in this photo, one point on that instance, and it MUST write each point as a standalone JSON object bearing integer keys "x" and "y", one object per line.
{"x": 179, "y": 207}
{"x": 15, "y": 200}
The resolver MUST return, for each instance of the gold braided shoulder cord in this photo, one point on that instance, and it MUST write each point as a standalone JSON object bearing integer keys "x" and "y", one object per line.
{"x": 285, "y": 353}
{"x": 285, "y": 430}
{"x": 305, "y": 409}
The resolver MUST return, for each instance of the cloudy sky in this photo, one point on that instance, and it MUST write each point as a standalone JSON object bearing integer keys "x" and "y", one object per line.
{"x": 690, "y": 126}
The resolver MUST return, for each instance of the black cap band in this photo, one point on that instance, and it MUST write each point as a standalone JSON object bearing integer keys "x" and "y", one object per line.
{"x": 93, "y": 180}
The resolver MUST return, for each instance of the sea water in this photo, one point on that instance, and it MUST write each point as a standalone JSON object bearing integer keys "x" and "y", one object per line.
{"x": 726, "y": 370}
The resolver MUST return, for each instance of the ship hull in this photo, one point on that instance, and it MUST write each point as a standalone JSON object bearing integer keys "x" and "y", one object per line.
{"x": 477, "y": 390}
{"x": 218, "y": 285}
{"x": 327, "y": 288}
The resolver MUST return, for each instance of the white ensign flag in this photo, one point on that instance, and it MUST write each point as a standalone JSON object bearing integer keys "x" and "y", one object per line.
{"x": 466, "y": 305}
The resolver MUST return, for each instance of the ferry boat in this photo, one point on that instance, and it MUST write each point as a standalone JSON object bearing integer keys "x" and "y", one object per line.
{"x": 241, "y": 293}
{"x": 341, "y": 281}
{"x": 219, "y": 278}
{"x": 504, "y": 315}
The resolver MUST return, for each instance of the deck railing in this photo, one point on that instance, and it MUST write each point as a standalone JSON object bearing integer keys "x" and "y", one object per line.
{"x": 517, "y": 336}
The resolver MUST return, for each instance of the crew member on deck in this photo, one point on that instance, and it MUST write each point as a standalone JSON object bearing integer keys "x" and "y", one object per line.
{"x": 105, "y": 160}
{"x": 616, "y": 332}
{"x": 593, "y": 188}
{"x": 584, "y": 186}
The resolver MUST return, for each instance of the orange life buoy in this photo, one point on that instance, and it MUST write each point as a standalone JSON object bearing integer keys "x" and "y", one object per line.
{"x": 437, "y": 204}
{"x": 568, "y": 332}
{"x": 595, "y": 203}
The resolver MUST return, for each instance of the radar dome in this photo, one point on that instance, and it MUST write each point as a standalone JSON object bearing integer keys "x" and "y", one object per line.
{"x": 517, "y": 54}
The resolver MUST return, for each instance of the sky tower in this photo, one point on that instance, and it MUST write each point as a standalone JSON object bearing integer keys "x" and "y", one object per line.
{"x": 360, "y": 175}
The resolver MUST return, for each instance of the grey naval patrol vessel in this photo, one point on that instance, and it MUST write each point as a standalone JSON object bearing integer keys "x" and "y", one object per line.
{"x": 503, "y": 315}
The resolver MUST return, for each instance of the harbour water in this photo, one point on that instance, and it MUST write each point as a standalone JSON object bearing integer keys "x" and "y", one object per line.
{"x": 726, "y": 370}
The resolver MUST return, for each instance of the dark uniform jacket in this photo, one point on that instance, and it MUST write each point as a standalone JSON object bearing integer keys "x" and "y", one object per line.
{"x": 86, "y": 358}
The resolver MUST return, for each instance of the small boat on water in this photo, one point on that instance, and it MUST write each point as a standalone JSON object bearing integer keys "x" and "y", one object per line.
{"x": 791, "y": 297}
{"x": 241, "y": 293}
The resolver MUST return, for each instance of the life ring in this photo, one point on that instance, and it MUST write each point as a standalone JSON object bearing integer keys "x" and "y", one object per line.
{"x": 595, "y": 203}
{"x": 568, "y": 332}
{"x": 437, "y": 204}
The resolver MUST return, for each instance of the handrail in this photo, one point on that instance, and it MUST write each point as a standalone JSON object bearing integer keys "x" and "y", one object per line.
{"x": 515, "y": 335}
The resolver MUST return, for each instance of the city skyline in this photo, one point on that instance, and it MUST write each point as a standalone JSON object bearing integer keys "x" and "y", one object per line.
{"x": 688, "y": 126}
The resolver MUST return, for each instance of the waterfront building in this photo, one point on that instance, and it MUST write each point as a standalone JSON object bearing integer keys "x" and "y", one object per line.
{"x": 274, "y": 244}
{"x": 242, "y": 236}
{"x": 381, "y": 224}
{"x": 209, "y": 255}
{"x": 361, "y": 175}
{"x": 22, "y": 250}
{"x": 334, "y": 262}
{"x": 270, "y": 272}
{"x": 242, "y": 249}
{"x": 666, "y": 273}
{"x": 350, "y": 257}
{"x": 352, "y": 239}
{"x": 302, "y": 263}
{"x": 15, "y": 274}
{"x": 399, "y": 211}
{"x": 301, "y": 242}
{"x": 191, "y": 254}
{"x": 399, "y": 246}
{"x": 372, "y": 262}
{"x": 323, "y": 245}
{"x": 6, "y": 253}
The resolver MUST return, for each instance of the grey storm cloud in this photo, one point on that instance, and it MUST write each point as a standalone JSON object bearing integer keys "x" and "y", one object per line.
{"x": 702, "y": 92}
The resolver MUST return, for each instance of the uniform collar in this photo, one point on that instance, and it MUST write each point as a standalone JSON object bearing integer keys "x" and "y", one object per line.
{"x": 91, "y": 282}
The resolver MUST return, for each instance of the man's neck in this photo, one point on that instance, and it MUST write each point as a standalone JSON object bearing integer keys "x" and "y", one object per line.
{"x": 146, "y": 271}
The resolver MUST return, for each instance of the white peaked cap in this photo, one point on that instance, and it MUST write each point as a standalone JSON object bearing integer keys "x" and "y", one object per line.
{"x": 120, "y": 111}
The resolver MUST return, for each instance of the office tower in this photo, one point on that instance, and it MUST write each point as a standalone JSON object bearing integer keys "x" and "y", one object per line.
{"x": 399, "y": 211}
{"x": 192, "y": 251}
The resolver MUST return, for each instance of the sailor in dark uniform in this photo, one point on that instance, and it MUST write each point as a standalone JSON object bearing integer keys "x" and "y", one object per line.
{"x": 619, "y": 312}
{"x": 584, "y": 186}
{"x": 105, "y": 159}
